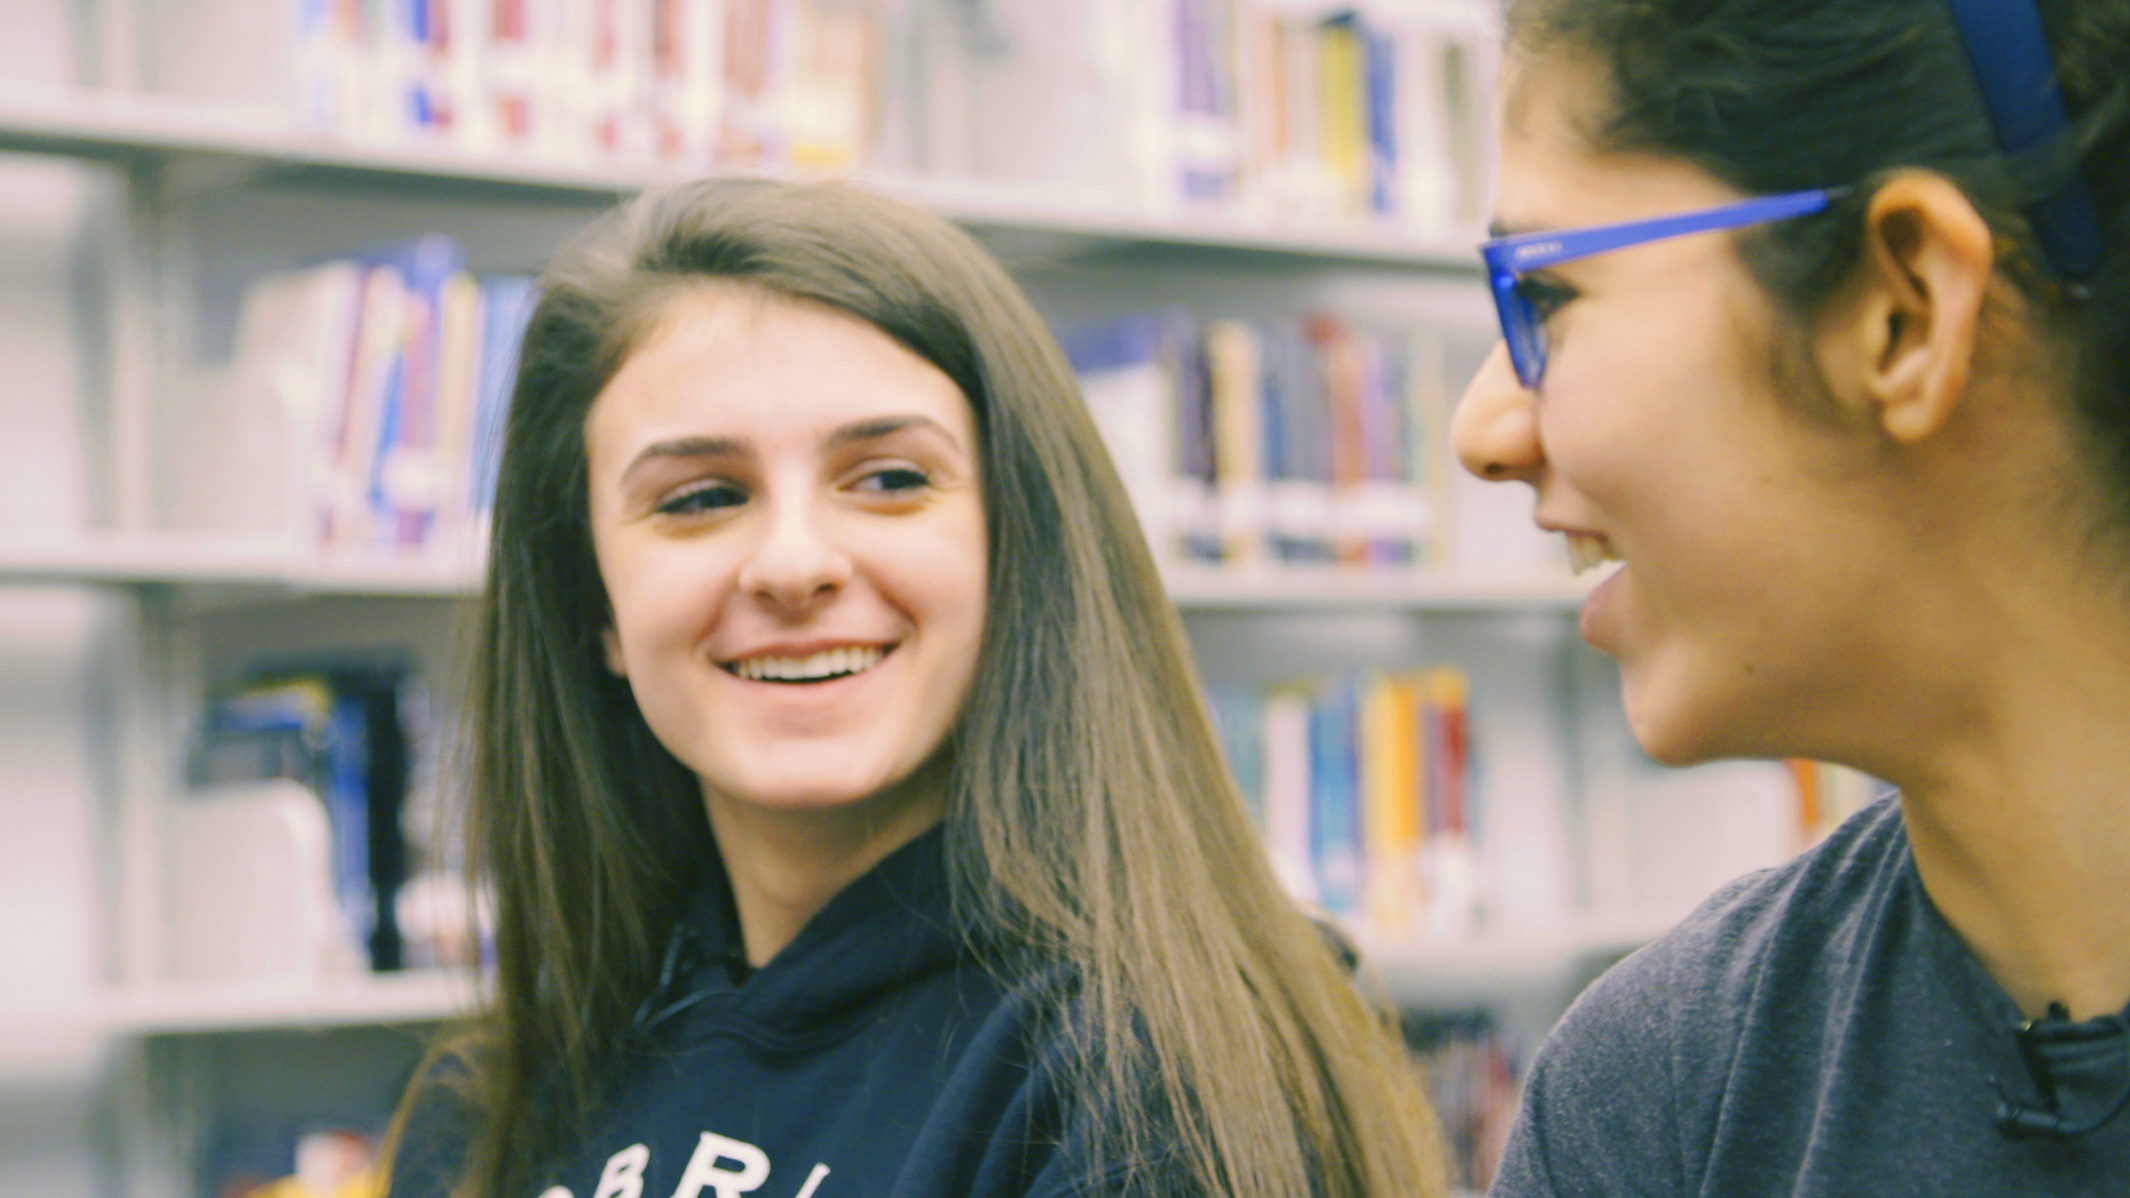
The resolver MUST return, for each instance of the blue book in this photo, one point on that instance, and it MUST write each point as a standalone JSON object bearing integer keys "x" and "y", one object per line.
{"x": 401, "y": 505}
{"x": 1298, "y": 440}
{"x": 1381, "y": 93}
{"x": 1135, "y": 373}
{"x": 1335, "y": 798}
{"x": 339, "y": 727}
{"x": 1238, "y": 717}
{"x": 506, "y": 304}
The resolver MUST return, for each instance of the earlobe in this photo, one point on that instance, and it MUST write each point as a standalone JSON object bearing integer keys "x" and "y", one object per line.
{"x": 610, "y": 643}
{"x": 1927, "y": 261}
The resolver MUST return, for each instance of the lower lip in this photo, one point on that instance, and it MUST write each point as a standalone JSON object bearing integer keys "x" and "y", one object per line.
{"x": 1591, "y": 624}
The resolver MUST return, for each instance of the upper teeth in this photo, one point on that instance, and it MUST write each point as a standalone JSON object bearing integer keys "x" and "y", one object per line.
{"x": 826, "y": 664}
{"x": 1587, "y": 551}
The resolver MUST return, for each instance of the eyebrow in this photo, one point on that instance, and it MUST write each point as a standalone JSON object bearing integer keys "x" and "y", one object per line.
{"x": 873, "y": 430}
{"x": 716, "y": 447}
{"x": 1506, "y": 228}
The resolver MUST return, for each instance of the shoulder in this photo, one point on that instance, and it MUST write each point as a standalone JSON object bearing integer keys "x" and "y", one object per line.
{"x": 437, "y": 1120}
{"x": 1720, "y": 953}
{"x": 1065, "y": 1134}
{"x": 1618, "y": 1092}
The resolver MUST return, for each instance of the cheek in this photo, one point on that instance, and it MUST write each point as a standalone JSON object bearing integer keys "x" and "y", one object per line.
{"x": 940, "y": 580}
{"x": 662, "y": 600}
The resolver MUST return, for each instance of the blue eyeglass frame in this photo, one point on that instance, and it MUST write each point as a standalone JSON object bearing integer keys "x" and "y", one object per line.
{"x": 1508, "y": 259}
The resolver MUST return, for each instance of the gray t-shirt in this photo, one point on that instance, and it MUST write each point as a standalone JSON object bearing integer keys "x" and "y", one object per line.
{"x": 1813, "y": 1029}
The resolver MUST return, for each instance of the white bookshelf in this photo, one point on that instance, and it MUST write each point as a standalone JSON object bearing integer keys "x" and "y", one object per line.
{"x": 220, "y": 563}
{"x": 255, "y": 1004}
{"x": 1336, "y": 589}
{"x": 1476, "y": 968}
{"x": 209, "y": 562}
{"x": 1471, "y": 968}
{"x": 232, "y": 140}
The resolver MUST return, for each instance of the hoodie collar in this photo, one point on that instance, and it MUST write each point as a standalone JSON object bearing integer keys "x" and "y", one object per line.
{"x": 878, "y": 934}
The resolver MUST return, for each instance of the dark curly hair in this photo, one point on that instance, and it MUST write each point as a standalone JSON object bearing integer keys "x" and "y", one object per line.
{"x": 1773, "y": 96}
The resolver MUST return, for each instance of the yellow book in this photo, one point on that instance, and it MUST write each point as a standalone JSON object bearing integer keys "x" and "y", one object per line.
{"x": 1234, "y": 370}
{"x": 1389, "y": 815}
{"x": 1342, "y": 118}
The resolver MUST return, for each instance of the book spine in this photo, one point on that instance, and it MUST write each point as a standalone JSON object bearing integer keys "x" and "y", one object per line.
{"x": 1235, "y": 373}
{"x": 1287, "y": 798}
{"x": 1335, "y": 817}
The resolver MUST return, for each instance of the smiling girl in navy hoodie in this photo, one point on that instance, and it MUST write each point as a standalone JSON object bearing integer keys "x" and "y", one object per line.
{"x": 854, "y": 822}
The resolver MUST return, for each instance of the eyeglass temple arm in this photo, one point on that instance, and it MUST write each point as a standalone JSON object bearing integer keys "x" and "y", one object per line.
{"x": 1532, "y": 251}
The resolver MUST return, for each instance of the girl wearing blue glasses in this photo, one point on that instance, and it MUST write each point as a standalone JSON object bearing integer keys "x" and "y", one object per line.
{"x": 1816, "y": 322}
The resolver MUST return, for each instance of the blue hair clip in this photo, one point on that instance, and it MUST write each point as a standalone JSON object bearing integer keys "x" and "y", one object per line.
{"x": 2009, "y": 54}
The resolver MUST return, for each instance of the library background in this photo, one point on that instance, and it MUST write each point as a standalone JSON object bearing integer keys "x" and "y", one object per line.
{"x": 262, "y": 264}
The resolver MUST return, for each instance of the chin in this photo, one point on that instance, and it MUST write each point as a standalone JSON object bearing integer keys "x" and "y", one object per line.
{"x": 1672, "y": 730}
{"x": 1672, "y": 752}
{"x": 802, "y": 794}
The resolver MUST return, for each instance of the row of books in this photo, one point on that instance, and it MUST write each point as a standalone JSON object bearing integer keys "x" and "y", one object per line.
{"x": 1308, "y": 111}
{"x": 702, "y": 82}
{"x": 1298, "y": 442}
{"x": 1474, "y": 1078}
{"x": 382, "y": 380}
{"x": 1362, "y": 786}
{"x": 308, "y": 841}
{"x": 1316, "y": 115}
{"x": 387, "y": 374}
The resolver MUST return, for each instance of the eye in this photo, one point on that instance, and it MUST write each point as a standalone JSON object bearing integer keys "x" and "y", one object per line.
{"x": 700, "y": 498}
{"x": 894, "y": 480}
{"x": 1542, "y": 297}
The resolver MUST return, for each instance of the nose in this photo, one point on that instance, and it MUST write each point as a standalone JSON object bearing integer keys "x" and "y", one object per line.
{"x": 1495, "y": 429}
{"x": 798, "y": 563}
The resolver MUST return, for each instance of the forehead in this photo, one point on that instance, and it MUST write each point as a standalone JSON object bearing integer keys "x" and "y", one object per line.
{"x": 1551, "y": 174}
{"x": 755, "y": 363}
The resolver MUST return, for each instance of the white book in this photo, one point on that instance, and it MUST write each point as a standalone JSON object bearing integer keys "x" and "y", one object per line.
{"x": 688, "y": 78}
{"x": 244, "y": 457}
{"x": 251, "y": 877}
{"x": 353, "y": 447}
{"x": 1286, "y": 765}
{"x": 1134, "y": 408}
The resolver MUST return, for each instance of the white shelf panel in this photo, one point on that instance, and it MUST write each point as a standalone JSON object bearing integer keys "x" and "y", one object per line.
{"x": 198, "y": 1008}
{"x": 202, "y": 562}
{"x": 1473, "y": 969}
{"x": 211, "y": 562}
{"x": 128, "y": 127}
{"x": 1202, "y": 588}
{"x": 1481, "y": 967}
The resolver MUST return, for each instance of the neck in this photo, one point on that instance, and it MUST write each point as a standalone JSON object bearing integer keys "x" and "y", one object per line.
{"x": 2019, "y": 809}
{"x": 785, "y": 865}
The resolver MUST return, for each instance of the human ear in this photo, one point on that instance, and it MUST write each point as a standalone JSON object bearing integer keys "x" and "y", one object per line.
{"x": 1903, "y": 344}
{"x": 610, "y": 643}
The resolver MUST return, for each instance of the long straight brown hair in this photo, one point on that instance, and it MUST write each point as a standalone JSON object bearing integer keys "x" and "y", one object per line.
{"x": 1091, "y": 819}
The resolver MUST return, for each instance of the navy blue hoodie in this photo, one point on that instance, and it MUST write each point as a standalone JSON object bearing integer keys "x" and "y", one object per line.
{"x": 874, "y": 1057}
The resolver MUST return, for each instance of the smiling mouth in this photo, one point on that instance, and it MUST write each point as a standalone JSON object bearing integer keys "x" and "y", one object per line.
{"x": 825, "y": 666}
{"x": 1587, "y": 551}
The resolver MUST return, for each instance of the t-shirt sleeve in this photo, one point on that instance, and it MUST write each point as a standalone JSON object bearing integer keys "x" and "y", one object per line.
{"x": 1600, "y": 1112}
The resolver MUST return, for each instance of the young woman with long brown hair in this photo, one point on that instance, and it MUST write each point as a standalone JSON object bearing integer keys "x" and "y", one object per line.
{"x": 852, "y": 817}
